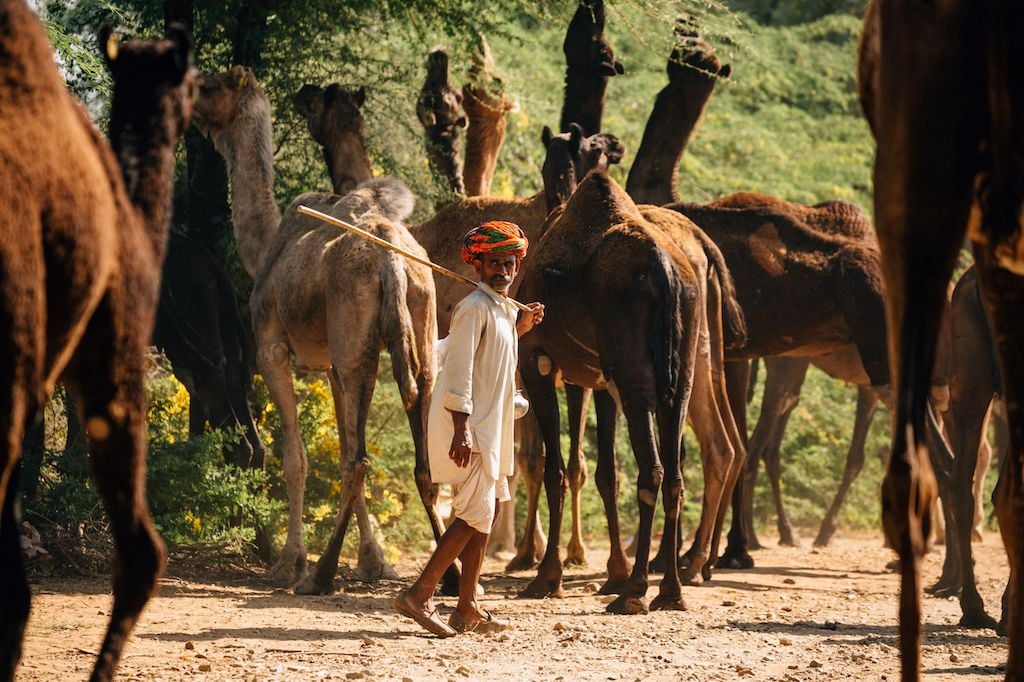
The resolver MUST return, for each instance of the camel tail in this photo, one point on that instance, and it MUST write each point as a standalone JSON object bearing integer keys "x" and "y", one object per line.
{"x": 735, "y": 327}
{"x": 666, "y": 332}
{"x": 397, "y": 328}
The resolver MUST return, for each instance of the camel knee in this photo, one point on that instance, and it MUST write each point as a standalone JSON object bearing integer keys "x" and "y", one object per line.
{"x": 577, "y": 472}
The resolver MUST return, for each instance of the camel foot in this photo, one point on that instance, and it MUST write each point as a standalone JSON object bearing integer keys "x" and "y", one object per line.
{"x": 1001, "y": 627}
{"x": 311, "y": 584}
{"x": 735, "y": 558}
{"x": 614, "y": 586}
{"x": 693, "y": 574}
{"x": 289, "y": 569}
{"x": 824, "y": 536}
{"x": 576, "y": 555}
{"x": 945, "y": 587}
{"x": 542, "y": 588}
{"x": 976, "y": 536}
{"x": 894, "y": 566}
{"x": 658, "y": 564}
{"x": 521, "y": 562}
{"x": 979, "y": 620}
{"x": 372, "y": 571}
{"x": 788, "y": 540}
{"x": 705, "y": 572}
{"x": 664, "y": 602}
{"x": 627, "y": 605}
{"x": 753, "y": 543}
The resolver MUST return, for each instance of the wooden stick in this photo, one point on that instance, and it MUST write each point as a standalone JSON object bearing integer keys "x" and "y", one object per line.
{"x": 337, "y": 222}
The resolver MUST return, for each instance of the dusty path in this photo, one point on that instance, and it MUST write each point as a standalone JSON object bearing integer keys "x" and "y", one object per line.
{"x": 801, "y": 615}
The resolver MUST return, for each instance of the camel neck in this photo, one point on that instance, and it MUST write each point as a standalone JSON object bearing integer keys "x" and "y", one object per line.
{"x": 584, "y": 99}
{"x": 349, "y": 165}
{"x": 652, "y": 177}
{"x": 484, "y": 137}
{"x": 245, "y": 146}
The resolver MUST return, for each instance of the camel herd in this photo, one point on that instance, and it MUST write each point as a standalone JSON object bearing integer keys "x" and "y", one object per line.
{"x": 655, "y": 306}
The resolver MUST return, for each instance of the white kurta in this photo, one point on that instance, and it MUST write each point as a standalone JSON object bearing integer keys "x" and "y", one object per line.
{"x": 477, "y": 377}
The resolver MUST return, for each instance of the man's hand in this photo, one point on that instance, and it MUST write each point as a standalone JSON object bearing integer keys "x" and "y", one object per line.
{"x": 527, "y": 319}
{"x": 462, "y": 441}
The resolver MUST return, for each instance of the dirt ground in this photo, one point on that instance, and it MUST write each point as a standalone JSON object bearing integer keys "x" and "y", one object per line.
{"x": 802, "y": 614}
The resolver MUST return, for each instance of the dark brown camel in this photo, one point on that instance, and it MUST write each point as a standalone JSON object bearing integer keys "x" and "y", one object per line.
{"x": 636, "y": 300}
{"x": 81, "y": 279}
{"x": 199, "y": 328}
{"x": 974, "y": 382}
{"x": 590, "y": 62}
{"x": 693, "y": 70}
{"x": 334, "y": 118}
{"x": 942, "y": 89}
{"x": 439, "y": 109}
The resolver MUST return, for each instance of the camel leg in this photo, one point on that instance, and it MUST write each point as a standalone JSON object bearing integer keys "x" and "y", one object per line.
{"x": 503, "y": 538}
{"x": 921, "y": 208}
{"x": 274, "y": 364}
{"x": 640, "y": 422}
{"x": 577, "y": 401}
{"x": 867, "y": 405}
{"x": 371, "y": 565}
{"x": 717, "y": 459}
{"x": 530, "y": 549}
{"x": 978, "y": 489}
{"x": 541, "y": 392}
{"x": 784, "y": 377}
{"x": 607, "y": 476}
{"x": 109, "y": 385}
{"x": 741, "y": 536}
{"x": 1004, "y": 298}
{"x": 951, "y": 578}
{"x": 670, "y": 421}
{"x": 352, "y": 382}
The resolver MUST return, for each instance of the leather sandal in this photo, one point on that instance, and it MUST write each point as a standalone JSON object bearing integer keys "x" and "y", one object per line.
{"x": 490, "y": 623}
{"x": 431, "y": 622}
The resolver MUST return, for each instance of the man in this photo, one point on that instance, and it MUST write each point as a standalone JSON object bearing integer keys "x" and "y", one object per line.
{"x": 470, "y": 425}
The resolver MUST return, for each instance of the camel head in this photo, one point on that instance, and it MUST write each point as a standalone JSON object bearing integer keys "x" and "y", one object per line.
{"x": 570, "y": 156}
{"x": 224, "y": 97}
{"x": 439, "y": 106}
{"x": 335, "y": 120}
{"x": 585, "y": 45}
{"x": 693, "y": 59}
{"x": 485, "y": 88}
{"x": 154, "y": 81}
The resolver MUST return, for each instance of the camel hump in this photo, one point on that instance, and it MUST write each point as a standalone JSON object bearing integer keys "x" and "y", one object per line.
{"x": 387, "y": 196}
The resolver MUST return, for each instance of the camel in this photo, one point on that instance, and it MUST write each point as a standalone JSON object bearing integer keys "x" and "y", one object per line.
{"x": 334, "y": 118}
{"x": 590, "y": 62}
{"x": 311, "y": 283}
{"x": 439, "y": 109}
{"x": 199, "y": 328}
{"x": 693, "y": 70}
{"x": 942, "y": 172}
{"x": 81, "y": 273}
{"x": 637, "y": 299}
{"x": 485, "y": 103}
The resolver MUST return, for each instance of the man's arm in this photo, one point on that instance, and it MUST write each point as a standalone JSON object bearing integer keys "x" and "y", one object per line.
{"x": 527, "y": 319}
{"x": 462, "y": 442}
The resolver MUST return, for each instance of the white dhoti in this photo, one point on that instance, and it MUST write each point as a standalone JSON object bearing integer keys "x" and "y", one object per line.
{"x": 476, "y": 497}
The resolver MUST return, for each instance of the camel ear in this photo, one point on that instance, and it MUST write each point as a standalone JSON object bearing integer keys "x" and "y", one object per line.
{"x": 545, "y": 137}
{"x": 575, "y": 137}
{"x": 110, "y": 43}
{"x": 306, "y": 99}
{"x": 619, "y": 69}
{"x": 239, "y": 77}
{"x": 430, "y": 120}
{"x": 725, "y": 71}
{"x": 360, "y": 96}
{"x": 461, "y": 122}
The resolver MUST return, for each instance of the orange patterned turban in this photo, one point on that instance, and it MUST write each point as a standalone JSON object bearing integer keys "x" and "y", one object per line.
{"x": 494, "y": 236}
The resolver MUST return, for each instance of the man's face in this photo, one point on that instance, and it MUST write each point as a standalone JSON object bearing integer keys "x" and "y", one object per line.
{"x": 497, "y": 270}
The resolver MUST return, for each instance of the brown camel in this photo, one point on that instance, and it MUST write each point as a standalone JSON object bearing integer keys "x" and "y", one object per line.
{"x": 81, "y": 277}
{"x": 335, "y": 120}
{"x": 943, "y": 171}
{"x": 439, "y": 109}
{"x": 486, "y": 104}
{"x": 316, "y": 287}
{"x": 637, "y": 299}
